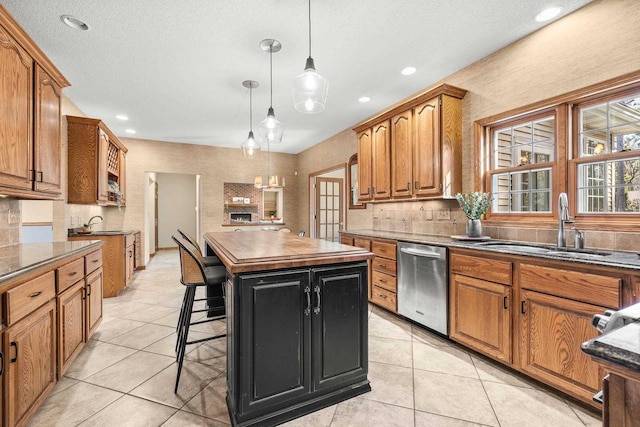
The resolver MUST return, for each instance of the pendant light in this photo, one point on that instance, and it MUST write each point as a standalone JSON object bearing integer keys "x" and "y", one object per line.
{"x": 250, "y": 147}
{"x": 310, "y": 88}
{"x": 270, "y": 129}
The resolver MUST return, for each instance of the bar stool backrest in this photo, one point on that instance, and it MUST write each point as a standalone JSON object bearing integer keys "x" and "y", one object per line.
{"x": 189, "y": 238}
{"x": 191, "y": 265}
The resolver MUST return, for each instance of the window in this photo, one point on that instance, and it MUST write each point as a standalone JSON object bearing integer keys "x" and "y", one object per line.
{"x": 522, "y": 163}
{"x": 607, "y": 163}
{"x": 585, "y": 143}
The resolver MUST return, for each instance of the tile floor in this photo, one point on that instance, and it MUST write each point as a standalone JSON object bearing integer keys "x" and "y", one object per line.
{"x": 125, "y": 375}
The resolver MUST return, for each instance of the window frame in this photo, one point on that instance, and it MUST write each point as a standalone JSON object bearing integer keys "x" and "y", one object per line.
{"x": 564, "y": 177}
{"x": 558, "y": 113}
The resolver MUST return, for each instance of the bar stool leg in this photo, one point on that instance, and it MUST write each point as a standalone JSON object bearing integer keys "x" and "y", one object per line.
{"x": 182, "y": 344}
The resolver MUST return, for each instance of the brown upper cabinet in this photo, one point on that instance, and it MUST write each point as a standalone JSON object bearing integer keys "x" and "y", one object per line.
{"x": 30, "y": 91}
{"x": 413, "y": 149}
{"x": 97, "y": 163}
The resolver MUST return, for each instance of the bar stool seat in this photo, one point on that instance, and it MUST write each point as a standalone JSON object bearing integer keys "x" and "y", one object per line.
{"x": 194, "y": 274}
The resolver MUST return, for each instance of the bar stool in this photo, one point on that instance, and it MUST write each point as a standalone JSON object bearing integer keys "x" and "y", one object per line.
{"x": 193, "y": 275}
{"x": 207, "y": 260}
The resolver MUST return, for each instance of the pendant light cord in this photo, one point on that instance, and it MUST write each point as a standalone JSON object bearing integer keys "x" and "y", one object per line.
{"x": 309, "y": 28}
{"x": 251, "y": 107}
{"x": 271, "y": 74}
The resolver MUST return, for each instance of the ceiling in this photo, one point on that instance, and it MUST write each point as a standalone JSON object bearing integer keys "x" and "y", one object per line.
{"x": 175, "y": 68}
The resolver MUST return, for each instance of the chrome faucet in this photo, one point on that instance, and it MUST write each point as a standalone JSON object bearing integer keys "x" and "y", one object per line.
{"x": 563, "y": 217}
{"x": 89, "y": 223}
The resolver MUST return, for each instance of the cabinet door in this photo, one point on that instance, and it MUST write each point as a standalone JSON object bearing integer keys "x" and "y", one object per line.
{"x": 339, "y": 325}
{"x": 94, "y": 302}
{"x": 47, "y": 134}
{"x": 274, "y": 358}
{"x": 103, "y": 175}
{"x": 71, "y": 325}
{"x": 122, "y": 179}
{"x": 31, "y": 362}
{"x": 552, "y": 330}
{"x": 480, "y": 315}
{"x": 402, "y": 161}
{"x": 16, "y": 103}
{"x": 365, "y": 159}
{"x": 426, "y": 149}
{"x": 130, "y": 263}
{"x": 381, "y": 166}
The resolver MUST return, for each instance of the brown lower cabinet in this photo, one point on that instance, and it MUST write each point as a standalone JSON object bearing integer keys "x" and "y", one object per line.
{"x": 533, "y": 315}
{"x": 30, "y": 349}
{"x": 50, "y": 315}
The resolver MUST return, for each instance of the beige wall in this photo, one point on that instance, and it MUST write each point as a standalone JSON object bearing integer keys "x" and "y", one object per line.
{"x": 595, "y": 43}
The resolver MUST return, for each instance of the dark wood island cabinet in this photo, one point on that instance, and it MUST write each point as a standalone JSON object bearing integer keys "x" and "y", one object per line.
{"x": 296, "y": 324}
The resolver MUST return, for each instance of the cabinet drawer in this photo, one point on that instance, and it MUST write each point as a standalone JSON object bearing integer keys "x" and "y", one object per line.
{"x": 93, "y": 261}
{"x": 384, "y": 265}
{"x": 130, "y": 239}
{"x": 362, "y": 243}
{"x": 346, "y": 240}
{"x": 384, "y": 298}
{"x": 481, "y": 268}
{"x": 69, "y": 274}
{"x": 384, "y": 249}
{"x": 590, "y": 288}
{"x": 384, "y": 281}
{"x": 25, "y": 298}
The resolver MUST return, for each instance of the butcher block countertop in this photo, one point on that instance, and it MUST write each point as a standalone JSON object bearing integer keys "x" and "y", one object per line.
{"x": 269, "y": 250}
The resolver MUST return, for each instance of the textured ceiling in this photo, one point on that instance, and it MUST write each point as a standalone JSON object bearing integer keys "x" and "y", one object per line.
{"x": 176, "y": 67}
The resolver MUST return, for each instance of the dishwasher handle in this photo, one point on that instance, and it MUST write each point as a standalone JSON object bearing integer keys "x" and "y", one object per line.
{"x": 418, "y": 252}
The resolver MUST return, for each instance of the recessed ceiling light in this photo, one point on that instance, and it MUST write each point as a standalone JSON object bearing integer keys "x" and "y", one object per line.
{"x": 364, "y": 99}
{"x": 122, "y": 117}
{"x": 408, "y": 71}
{"x": 75, "y": 23}
{"x": 130, "y": 131}
{"x": 549, "y": 13}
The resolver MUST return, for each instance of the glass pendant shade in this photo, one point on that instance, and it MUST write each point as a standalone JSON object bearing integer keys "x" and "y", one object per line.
{"x": 270, "y": 128}
{"x": 310, "y": 90}
{"x": 250, "y": 147}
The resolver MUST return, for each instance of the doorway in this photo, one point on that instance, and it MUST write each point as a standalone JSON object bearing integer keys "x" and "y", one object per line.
{"x": 172, "y": 201}
{"x": 327, "y": 203}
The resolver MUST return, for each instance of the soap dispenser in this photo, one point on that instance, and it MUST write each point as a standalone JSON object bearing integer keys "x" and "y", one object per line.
{"x": 578, "y": 239}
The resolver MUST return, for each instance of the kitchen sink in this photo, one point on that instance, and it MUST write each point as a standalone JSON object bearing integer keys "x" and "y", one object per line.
{"x": 519, "y": 248}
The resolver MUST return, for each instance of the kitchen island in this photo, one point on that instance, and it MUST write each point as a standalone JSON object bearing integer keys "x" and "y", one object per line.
{"x": 296, "y": 324}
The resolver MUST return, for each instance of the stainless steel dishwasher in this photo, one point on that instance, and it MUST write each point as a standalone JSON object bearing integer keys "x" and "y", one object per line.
{"x": 423, "y": 285}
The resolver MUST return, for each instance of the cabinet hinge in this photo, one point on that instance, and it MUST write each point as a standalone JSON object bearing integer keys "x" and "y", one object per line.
{"x": 440, "y": 101}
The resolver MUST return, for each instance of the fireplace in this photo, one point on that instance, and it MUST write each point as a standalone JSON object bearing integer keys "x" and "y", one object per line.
{"x": 240, "y": 217}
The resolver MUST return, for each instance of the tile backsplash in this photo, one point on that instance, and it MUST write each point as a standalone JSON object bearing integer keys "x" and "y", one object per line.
{"x": 9, "y": 233}
{"x": 444, "y": 218}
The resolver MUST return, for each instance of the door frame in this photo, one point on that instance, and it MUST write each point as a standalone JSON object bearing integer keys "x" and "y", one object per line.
{"x": 312, "y": 196}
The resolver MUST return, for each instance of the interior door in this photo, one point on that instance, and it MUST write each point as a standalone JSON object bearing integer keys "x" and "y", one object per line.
{"x": 329, "y": 208}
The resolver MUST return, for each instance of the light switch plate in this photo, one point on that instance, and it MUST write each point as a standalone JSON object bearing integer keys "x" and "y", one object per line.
{"x": 14, "y": 216}
{"x": 444, "y": 214}
{"x": 428, "y": 214}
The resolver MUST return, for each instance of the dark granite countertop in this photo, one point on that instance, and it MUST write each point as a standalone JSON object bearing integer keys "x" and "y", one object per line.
{"x": 618, "y": 259}
{"x": 22, "y": 258}
{"x": 621, "y": 347}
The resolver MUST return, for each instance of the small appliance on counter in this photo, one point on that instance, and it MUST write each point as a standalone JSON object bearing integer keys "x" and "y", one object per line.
{"x": 612, "y": 320}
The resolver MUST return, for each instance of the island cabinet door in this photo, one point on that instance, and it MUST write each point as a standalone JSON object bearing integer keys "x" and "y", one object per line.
{"x": 274, "y": 360}
{"x": 339, "y": 325}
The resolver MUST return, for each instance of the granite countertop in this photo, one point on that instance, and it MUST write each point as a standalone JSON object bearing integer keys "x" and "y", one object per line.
{"x": 620, "y": 346}
{"x": 618, "y": 259}
{"x": 22, "y": 258}
{"x": 71, "y": 233}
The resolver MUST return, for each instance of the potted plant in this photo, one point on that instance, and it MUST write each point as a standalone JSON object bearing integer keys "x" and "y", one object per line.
{"x": 474, "y": 205}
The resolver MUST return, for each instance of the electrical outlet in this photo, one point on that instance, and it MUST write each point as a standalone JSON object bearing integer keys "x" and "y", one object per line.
{"x": 14, "y": 216}
{"x": 428, "y": 214}
{"x": 444, "y": 214}
{"x": 72, "y": 221}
